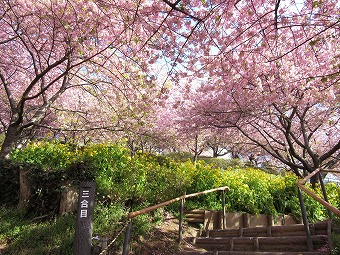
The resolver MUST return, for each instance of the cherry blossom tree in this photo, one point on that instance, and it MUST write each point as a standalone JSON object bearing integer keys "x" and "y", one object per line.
{"x": 106, "y": 108}
{"x": 278, "y": 86}
{"x": 269, "y": 68}
{"x": 226, "y": 142}
{"x": 48, "y": 45}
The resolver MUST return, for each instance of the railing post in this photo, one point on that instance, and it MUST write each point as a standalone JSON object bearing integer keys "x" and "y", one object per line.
{"x": 131, "y": 215}
{"x": 104, "y": 246}
{"x": 322, "y": 184}
{"x": 127, "y": 238}
{"x": 180, "y": 228}
{"x": 224, "y": 216}
{"x": 305, "y": 221}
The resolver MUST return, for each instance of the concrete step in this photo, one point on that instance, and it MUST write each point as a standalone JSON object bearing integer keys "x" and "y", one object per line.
{"x": 271, "y": 240}
{"x": 251, "y": 253}
{"x": 271, "y": 231}
{"x": 263, "y": 244}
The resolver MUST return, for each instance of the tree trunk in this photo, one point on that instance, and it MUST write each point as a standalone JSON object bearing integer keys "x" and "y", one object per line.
{"x": 69, "y": 200}
{"x": 215, "y": 152}
{"x": 314, "y": 180}
{"x": 11, "y": 138}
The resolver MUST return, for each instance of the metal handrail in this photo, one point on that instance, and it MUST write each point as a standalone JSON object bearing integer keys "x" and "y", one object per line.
{"x": 182, "y": 199}
{"x": 313, "y": 195}
{"x": 324, "y": 201}
{"x": 154, "y": 207}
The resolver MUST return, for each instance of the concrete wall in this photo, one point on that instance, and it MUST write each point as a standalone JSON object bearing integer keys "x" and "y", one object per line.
{"x": 246, "y": 220}
{"x": 214, "y": 220}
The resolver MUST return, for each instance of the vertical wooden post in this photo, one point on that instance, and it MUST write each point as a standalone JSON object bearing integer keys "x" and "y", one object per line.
{"x": 305, "y": 221}
{"x": 322, "y": 184}
{"x": 127, "y": 238}
{"x": 180, "y": 229}
{"x": 83, "y": 239}
{"x": 224, "y": 215}
{"x": 25, "y": 189}
{"x": 104, "y": 246}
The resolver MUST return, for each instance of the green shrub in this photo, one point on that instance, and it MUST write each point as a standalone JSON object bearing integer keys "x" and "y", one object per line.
{"x": 47, "y": 155}
{"x": 148, "y": 179}
{"x": 283, "y": 189}
{"x": 111, "y": 165}
{"x": 249, "y": 191}
{"x": 164, "y": 178}
{"x": 225, "y": 163}
{"x": 108, "y": 218}
{"x": 9, "y": 182}
{"x": 315, "y": 211}
{"x": 204, "y": 177}
{"x": 180, "y": 156}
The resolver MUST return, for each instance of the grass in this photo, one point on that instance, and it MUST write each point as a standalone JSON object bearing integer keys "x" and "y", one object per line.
{"x": 21, "y": 235}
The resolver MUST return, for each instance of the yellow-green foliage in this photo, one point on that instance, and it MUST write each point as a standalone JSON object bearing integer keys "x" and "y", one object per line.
{"x": 252, "y": 190}
{"x": 49, "y": 155}
{"x": 148, "y": 179}
{"x": 315, "y": 210}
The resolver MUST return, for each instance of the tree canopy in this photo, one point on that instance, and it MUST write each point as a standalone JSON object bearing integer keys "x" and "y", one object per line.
{"x": 264, "y": 72}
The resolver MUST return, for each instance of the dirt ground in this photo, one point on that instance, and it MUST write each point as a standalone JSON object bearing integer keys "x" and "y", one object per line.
{"x": 164, "y": 240}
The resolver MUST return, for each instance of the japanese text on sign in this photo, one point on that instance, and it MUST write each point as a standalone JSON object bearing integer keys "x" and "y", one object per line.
{"x": 84, "y": 204}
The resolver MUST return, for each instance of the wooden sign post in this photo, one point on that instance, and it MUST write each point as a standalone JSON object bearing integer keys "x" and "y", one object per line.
{"x": 83, "y": 239}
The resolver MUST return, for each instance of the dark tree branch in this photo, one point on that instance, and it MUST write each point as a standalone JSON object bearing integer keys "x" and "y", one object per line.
{"x": 277, "y": 5}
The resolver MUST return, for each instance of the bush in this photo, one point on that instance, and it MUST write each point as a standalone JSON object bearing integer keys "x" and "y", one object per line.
{"x": 250, "y": 191}
{"x": 51, "y": 166}
{"x": 9, "y": 182}
{"x": 47, "y": 155}
{"x": 225, "y": 163}
{"x": 148, "y": 179}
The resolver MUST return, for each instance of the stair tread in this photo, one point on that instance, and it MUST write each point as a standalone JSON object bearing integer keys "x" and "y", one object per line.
{"x": 261, "y": 237}
{"x": 261, "y": 244}
{"x": 271, "y": 240}
{"x": 290, "y": 230}
{"x": 251, "y": 253}
{"x": 318, "y": 225}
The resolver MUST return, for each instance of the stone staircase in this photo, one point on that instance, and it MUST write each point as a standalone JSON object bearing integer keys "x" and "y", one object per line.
{"x": 270, "y": 240}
